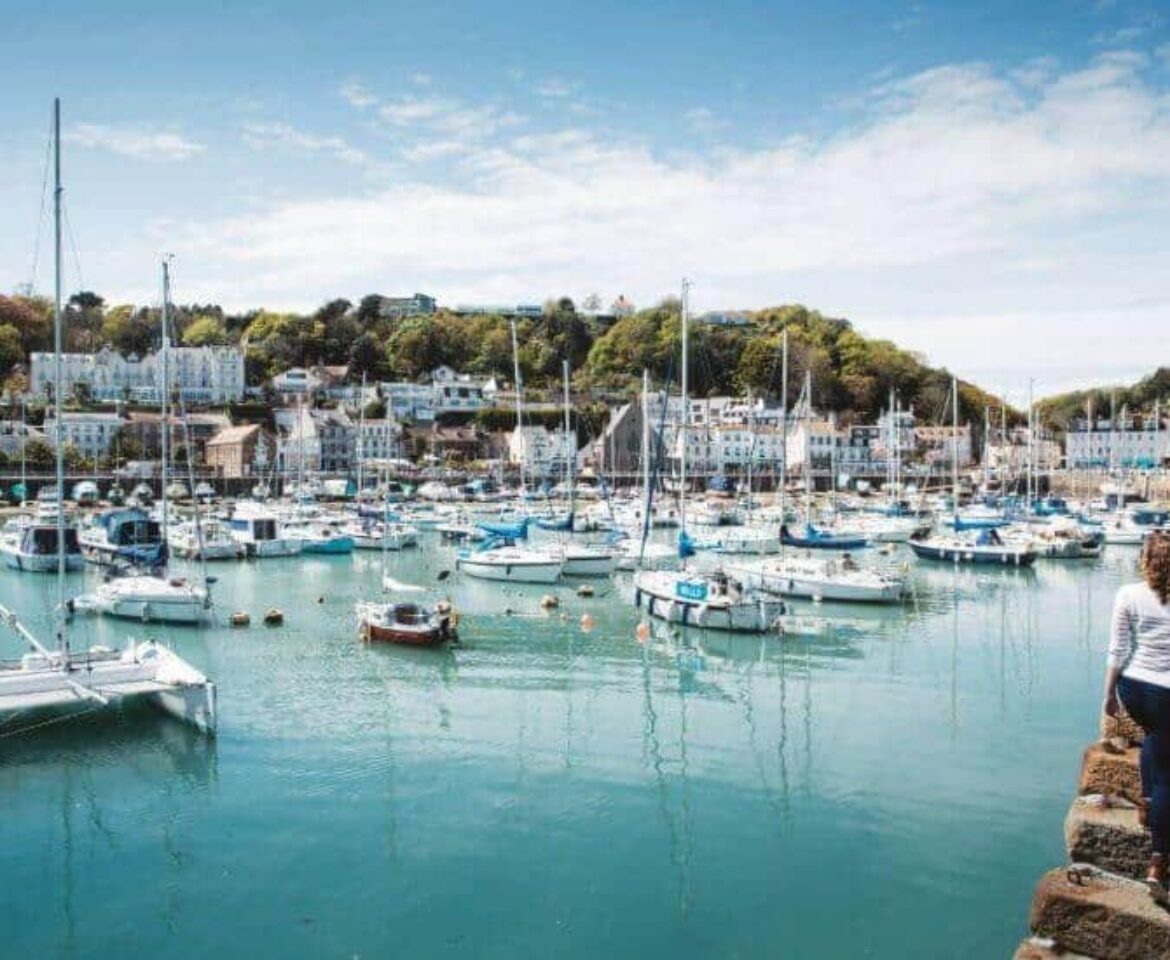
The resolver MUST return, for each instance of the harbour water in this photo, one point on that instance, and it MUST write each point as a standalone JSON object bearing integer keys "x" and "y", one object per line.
{"x": 890, "y": 789}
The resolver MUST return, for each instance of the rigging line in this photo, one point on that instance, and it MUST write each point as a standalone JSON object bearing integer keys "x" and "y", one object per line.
{"x": 36, "y": 258}
{"x": 72, "y": 245}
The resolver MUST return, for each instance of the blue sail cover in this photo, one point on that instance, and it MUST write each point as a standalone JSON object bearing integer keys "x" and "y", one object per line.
{"x": 148, "y": 556}
{"x": 513, "y": 531}
{"x": 686, "y": 546}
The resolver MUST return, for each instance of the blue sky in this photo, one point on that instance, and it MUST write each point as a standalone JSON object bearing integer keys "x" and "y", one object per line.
{"x": 984, "y": 182}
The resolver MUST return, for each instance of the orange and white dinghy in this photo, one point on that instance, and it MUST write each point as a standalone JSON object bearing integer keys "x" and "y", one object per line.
{"x": 407, "y": 623}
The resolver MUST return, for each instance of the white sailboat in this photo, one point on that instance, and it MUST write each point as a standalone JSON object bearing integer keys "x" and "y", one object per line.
{"x": 154, "y": 596}
{"x": 501, "y": 557}
{"x": 712, "y": 601}
{"x": 820, "y": 575}
{"x": 62, "y": 682}
{"x": 30, "y": 544}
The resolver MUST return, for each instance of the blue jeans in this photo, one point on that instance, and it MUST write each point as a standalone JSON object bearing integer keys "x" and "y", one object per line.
{"x": 1149, "y": 705}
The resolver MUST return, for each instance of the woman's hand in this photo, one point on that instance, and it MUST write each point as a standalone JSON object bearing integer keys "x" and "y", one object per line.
{"x": 1111, "y": 706}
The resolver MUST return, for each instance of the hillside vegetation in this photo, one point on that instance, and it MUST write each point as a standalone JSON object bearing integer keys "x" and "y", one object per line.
{"x": 1057, "y": 411}
{"x": 852, "y": 374}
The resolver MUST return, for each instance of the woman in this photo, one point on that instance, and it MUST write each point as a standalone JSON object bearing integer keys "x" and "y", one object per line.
{"x": 1138, "y": 678}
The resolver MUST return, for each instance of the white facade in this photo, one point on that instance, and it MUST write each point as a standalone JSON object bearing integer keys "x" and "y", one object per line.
{"x": 378, "y": 440}
{"x": 544, "y": 453}
{"x": 91, "y": 433}
{"x": 201, "y": 374}
{"x": 15, "y": 436}
{"x": 939, "y": 444}
{"x": 409, "y": 401}
{"x": 1128, "y": 445}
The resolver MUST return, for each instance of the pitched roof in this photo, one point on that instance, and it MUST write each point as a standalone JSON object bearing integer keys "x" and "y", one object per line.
{"x": 233, "y": 435}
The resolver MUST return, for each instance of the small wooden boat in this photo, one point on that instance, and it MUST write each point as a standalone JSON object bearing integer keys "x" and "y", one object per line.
{"x": 407, "y": 623}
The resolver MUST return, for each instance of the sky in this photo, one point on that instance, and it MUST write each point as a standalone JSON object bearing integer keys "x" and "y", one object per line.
{"x": 987, "y": 183}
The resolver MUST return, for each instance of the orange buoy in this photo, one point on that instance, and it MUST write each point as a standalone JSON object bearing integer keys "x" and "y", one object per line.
{"x": 586, "y": 622}
{"x": 642, "y": 632}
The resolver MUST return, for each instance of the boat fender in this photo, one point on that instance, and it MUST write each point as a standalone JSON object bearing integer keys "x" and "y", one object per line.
{"x": 240, "y": 619}
{"x": 549, "y": 602}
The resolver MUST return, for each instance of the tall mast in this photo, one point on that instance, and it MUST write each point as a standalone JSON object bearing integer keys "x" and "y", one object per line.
{"x": 519, "y": 425}
{"x": 361, "y": 449}
{"x": 808, "y": 476}
{"x": 1031, "y": 447}
{"x": 783, "y": 428}
{"x": 58, "y": 347}
{"x": 682, "y": 470}
{"x": 646, "y": 437}
{"x": 955, "y": 444}
{"x": 164, "y": 416}
{"x": 567, "y": 446}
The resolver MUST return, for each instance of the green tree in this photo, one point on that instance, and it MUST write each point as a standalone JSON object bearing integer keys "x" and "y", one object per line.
{"x": 204, "y": 331}
{"x": 11, "y": 348}
{"x": 33, "y": 317}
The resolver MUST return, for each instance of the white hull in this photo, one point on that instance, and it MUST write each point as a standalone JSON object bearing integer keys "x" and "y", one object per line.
{"x": 514, "y": 570}
{"x": 657, "y": 595}
{"x": 261, "y": 549}
{"x": 588, "y": 564}
{"x": 844, "y": 587}
{"x": 210, "y": 551}
{"x": 149, "y": 600}
{"x": 38, "y": 562}
{"x": 105, "y": 677}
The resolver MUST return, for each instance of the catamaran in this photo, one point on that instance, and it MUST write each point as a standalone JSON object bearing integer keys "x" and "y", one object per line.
{"x": 65, "y": 683}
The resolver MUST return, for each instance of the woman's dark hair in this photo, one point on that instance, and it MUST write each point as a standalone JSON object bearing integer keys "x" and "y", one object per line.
{"x": 1156, "y": 563}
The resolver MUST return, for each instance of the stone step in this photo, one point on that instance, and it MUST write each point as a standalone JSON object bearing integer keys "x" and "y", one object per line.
{"x": 1100, "y": 915}
{"x": 1105, "y": 832}
{"x": 1121, "y": 727}
{"x": 1111, "y": 772}
{"x": 1039, "y": 948}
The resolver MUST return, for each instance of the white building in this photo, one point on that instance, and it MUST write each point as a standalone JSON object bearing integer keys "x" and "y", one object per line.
{"x": 414, "y": 402}
{"x": 91, "y": 433}
{"x": 203, "y": 375}
{"x": 15, "y": 436}
{"x": 378, "y": 440}
{"x": 298, "y": 445}
{"x": 295, "y": 382}
{"x": 1128, "y": 443}
{"x": 544, "y": 453}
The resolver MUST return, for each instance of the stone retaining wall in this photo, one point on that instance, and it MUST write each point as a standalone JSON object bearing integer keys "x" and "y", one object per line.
{"x": 1097, "y": 908}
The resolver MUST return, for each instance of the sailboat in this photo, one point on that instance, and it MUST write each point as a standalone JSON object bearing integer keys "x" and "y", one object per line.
{"x": 500, "y": 556}
{"x": 58, "y": 680}
{"x": 579, "y": 559}
{"x": 153, "y": 595}
{"x": 815, "y": 576}
{"x": 985, "y": 547}
{"x": 716, "y": 600}
{"x": 404, "y": 622}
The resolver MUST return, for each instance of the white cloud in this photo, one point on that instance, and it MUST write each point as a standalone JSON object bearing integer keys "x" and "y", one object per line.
{"x": 981, "y": 216}
{"x": 262, "y": 135}
{"x": 137, "y": 142}
{"x": 433, "y": 150}
{"x": 554, "y": 89}
{"x": 358, "y": 96}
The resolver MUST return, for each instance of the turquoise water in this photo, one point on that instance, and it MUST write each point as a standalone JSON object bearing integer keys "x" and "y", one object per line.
{"x": 892, "y": 790}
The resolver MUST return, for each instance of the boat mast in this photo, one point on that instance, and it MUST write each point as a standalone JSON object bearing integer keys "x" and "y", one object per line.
{"x": 164, "y": 417}
{"x": 519, "y": 406}
{"x": 682, "y": 470}
{"x": 568, "y": 447}
{"x": 955, "y": 446}
{"x": 646, "y": 439}
{"x": 58, "y": 348}
{"x": 751, "y": 451}
{"x": 361, "y": 438}
{"x": 808, "y": 477}
{"x": 783, "y": 429}
{"x": 1031, "y": 447}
